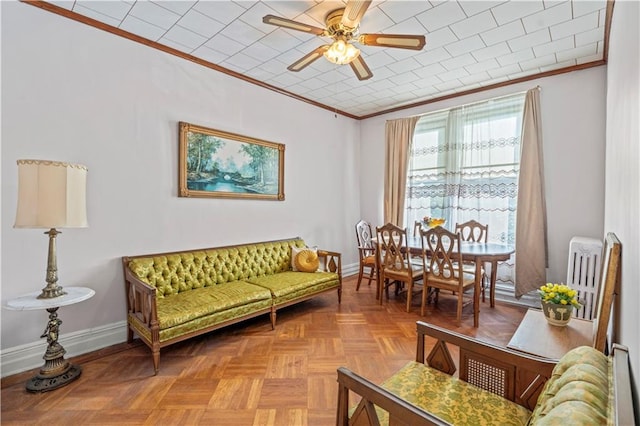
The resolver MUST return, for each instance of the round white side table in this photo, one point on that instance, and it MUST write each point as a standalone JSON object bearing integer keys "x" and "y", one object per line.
{"x": 56, "y": 371}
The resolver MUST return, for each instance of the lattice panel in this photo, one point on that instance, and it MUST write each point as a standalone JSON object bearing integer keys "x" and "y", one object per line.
{"x": 489, "y": 374}
{"x": 486, "y": 376}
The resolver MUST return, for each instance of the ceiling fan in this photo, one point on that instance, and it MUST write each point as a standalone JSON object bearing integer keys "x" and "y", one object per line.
{"x": 342, "y": 26}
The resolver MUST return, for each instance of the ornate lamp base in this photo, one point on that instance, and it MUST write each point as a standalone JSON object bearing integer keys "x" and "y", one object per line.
{"x": 56, "y": 371}
{"x": 40, "y": 383}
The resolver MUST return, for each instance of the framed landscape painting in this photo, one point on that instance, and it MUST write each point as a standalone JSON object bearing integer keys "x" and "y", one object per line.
{"x": 220, "y": 164}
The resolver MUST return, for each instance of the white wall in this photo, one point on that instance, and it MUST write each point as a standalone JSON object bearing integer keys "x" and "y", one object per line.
{"x": 622, "y": 207}
{"x": 573, "y": 127}
{"x": 74, "y": 93}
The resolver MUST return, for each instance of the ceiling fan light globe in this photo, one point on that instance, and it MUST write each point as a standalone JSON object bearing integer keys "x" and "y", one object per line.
{"x": 341, "y": 52}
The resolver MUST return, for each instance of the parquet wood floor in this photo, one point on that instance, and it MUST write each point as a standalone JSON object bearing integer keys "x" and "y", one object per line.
{"x": 248, "y": 374}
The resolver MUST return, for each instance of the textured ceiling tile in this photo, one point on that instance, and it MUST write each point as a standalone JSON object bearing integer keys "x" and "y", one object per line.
{"x": 491, "y": 51}
{"x": 440, "y": 16}
{"x": 200, "y": 24}
{"x": 579, "y": 25}
{"x": 455, "y": 74}
{"x": 458, "y": 61}
{"x": 475, "y": 78}
{"x": 405, "y": 65}
{"x": 592, "y": 36}
{"x": 243, "y": 33}
{"x": 473, "y": 7}
{"x": 440, "y": 38}
{"x": 97, "y": 15}
{"x": 539, "y": 62}
{"x": 280, "y": 40}
{"x": 399, "y": 10}
{"x": 180, "y": 7}
{"x": 530, "y": 40}
{"x": 548, "y": 17}
{"x": 113, "y": 9}
{"x": 506, "y": 32}
{"x": 240, "y": 61}
{"x": 290, "y": 9}
{"x": 512, "y": 58}
{"x": 209, "y": 55}
{"x": 474, "y": 25}
{"x": 510, "y": 11}
{"x": 467, "y": 45}
{"x": 260, "y": 51}
{"x": 224, "y": 44}
{"x": 501, "y": 72}
{"x": 432, "y": 56}
{"x": 184, "y": 37}
{"x": 482, "y": 66}
{"x": 587, "y": 59}
{"x": 584, "y": 7}
{"x": 154, "y": 14}
{"x": 222, "y": 11}
{"x": 430, "y": 70}
{"x": 558, "y": 66}
{"x": 142, "y": 28}
{"x": 375, "y": 20}
{"x": 554, "y": 46}
{"x": 587, "y": 50}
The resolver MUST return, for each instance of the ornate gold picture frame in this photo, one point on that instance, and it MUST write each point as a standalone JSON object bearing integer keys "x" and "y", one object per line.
{"x": 219, "y": 164}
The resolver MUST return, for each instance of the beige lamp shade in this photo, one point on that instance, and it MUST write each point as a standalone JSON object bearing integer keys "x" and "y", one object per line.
{"x": 51, "y": 194}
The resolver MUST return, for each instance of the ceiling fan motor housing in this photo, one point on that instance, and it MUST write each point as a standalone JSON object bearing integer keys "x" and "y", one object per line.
{"x": 335, "y": 28}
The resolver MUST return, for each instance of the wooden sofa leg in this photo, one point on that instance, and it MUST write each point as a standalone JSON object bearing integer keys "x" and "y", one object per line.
{"x": 273, "y": 318}
{"x": 156, "y": 360}
{"x": 129, "y": 334}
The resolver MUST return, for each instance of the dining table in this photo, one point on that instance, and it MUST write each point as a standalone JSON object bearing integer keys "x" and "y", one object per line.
{"x": 479, "y": 253}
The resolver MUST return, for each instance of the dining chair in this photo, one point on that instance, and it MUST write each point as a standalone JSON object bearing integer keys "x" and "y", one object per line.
{"x": 417, "y": 226}
{"x": 444, "y": 268}
{"x": 394, "y": 261}
{"x": 366, "y": 253}
{"x": 474, "y": 231}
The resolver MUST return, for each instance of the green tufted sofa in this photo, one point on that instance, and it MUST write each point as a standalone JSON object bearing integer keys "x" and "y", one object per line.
{"x": 174, "y": 296}
{"x": 496, "y": 386}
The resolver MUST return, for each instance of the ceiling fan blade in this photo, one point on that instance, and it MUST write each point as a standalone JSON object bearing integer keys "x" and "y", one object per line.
{"x": 292, "y": 25}
{"x": 360, "y": 68}
{"x": 401, "y": 41}
{"x": 307, "y": 59}
{"x": 354, "y": 11}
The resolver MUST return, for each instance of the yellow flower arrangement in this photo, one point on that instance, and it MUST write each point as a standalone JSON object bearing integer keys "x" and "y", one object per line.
{"x": 432, "y": 222}
{"x": 560, "y": 294}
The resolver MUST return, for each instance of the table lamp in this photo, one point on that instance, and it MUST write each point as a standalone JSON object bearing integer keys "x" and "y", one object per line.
{"x": 51, "y": 195}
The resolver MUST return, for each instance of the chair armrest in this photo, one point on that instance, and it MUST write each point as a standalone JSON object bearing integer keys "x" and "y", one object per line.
{"x": 330, "y": 261}
{"x": 513, "y": 375}
{"x": 400, "y": 410}
{"x": 366, "y": 251}
{"x": 141, "y": 298}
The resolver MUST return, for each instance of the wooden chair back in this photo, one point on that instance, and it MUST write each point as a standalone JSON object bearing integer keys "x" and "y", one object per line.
{"x": 394, "y": 261}
{"x": 417, "y": 227}
{"x": 364, "y": 235}
{"x": 444, "y": 266}
{"x": 393, "y": 253}
{"x": 609, "y": 286}
{"x": 473, "y": 230}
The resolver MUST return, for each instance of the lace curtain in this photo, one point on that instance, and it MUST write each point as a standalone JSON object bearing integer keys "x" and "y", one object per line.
{"x": 464, "y": 164}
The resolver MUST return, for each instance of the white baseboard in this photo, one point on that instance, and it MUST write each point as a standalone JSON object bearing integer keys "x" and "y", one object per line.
{"x": 29, "y": 356}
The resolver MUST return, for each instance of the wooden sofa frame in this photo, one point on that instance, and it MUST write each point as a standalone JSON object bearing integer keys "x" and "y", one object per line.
{"x": 142, "y": 312}
{"x": 524, "y": 377}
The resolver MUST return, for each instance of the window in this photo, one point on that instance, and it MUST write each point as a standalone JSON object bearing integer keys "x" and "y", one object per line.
{"x": 464, "y": 165}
